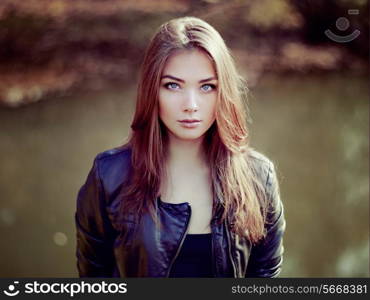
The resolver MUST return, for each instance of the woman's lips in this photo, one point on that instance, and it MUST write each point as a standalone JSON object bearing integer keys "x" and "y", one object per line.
{"x": 189, "y": 123}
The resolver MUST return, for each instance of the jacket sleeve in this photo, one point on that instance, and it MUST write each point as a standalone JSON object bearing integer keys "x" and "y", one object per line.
{"x": 94, "y": 243}
{"x": 267, "y": 256}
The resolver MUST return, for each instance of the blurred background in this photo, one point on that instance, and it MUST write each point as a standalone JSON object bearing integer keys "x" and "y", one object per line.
{"x": 68, "y": 74}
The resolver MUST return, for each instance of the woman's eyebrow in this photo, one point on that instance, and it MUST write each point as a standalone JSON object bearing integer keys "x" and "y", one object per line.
{"x": 183, "y": 81}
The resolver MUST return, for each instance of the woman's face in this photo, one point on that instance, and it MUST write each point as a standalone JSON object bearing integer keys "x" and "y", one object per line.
{"x": 187, "y": 95}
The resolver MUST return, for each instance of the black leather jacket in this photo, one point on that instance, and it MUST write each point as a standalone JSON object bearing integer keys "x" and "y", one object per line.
{"x": 107, "y": 247}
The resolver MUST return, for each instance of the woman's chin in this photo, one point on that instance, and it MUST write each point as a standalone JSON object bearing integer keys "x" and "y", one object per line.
{"x": 187, "y": 136}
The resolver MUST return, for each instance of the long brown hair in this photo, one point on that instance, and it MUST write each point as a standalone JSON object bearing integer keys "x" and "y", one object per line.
{"x": 234, "y": 181}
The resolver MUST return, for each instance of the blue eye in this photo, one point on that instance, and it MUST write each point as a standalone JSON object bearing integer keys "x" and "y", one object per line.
{"x": 208, "y": 87}
{"x": 172, "y": 85}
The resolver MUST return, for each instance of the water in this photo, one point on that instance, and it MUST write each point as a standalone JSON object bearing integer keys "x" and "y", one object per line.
{"x": 314, "y": 128}
{"x": 316, "y": 131}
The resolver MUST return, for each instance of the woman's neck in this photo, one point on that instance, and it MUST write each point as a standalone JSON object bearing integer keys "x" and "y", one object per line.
{"x": 186, "y": 154}
{"x": 186, "y": 168}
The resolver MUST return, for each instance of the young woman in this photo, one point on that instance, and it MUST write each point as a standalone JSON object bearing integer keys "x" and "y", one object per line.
{"x": 185, "y": 196}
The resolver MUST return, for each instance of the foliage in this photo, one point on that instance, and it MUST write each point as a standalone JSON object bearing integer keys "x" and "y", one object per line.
{"x": 55, "y": 47}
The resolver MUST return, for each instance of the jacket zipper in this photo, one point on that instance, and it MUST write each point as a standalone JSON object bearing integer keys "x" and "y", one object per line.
{"x": 181, "y": 242}
{"x": 229, "y": 240}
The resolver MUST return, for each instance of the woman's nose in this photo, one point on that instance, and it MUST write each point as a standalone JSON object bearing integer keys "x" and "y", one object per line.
{"x": 191, "y": 101}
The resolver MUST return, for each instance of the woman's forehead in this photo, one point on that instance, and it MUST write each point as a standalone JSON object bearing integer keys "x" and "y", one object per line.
{"x": 191, "y": 64}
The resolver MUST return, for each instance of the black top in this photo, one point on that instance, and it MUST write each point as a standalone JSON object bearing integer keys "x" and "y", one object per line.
{"x": 195, "y": 257}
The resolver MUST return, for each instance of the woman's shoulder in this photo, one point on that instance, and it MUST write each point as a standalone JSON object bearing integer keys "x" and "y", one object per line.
{"x": 113, "y": 166}
{"x": 265, "y": 169}
{"x": 116, "y": 153}
{"x": 260, "y": 162}
{"x": 258, "y": 156}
